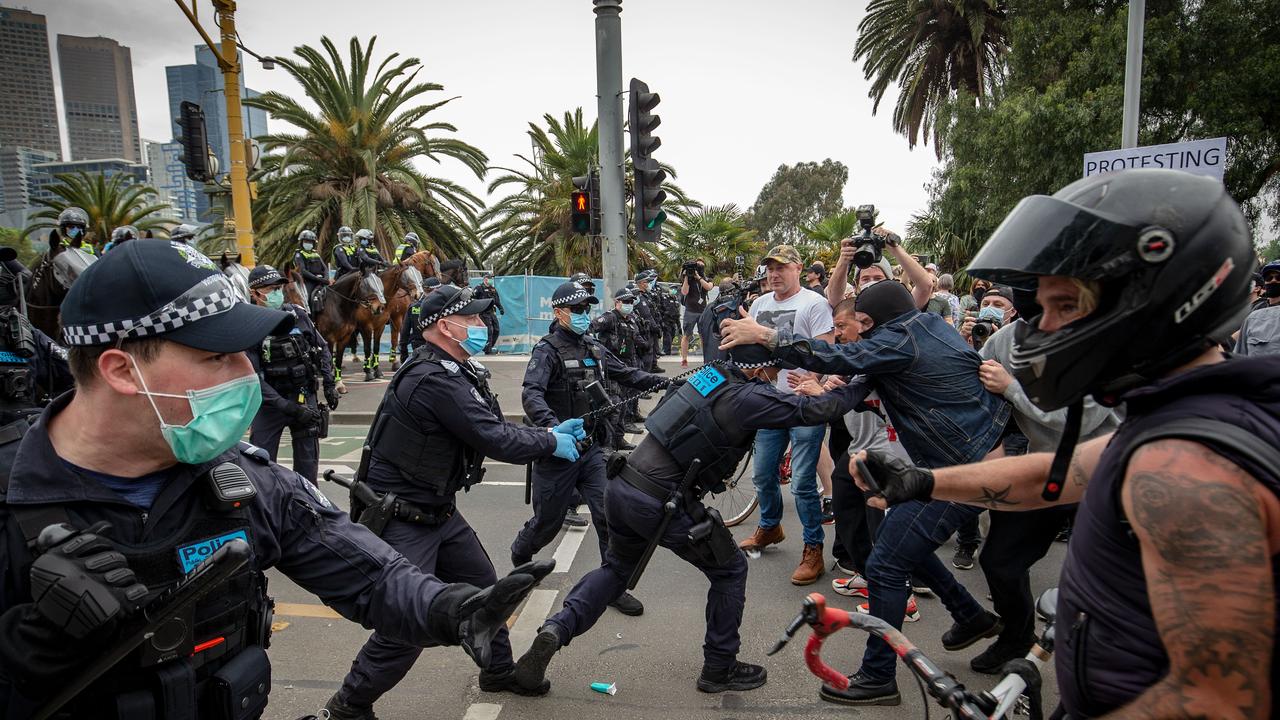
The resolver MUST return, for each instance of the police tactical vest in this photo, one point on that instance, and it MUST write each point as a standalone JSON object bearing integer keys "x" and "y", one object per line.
{"x": 685, "y": 424}
{"x": 582, "y": 363}
{"x": 286, "y": 363}
{"x": 198, "y": 658}
{"x": 438, "y": 460}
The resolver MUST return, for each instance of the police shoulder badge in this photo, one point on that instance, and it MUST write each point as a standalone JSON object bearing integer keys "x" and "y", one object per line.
{"x": 450, "y": 365}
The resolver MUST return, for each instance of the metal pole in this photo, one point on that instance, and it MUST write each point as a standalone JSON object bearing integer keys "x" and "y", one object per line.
{"x": 240, "y": 205}
{"x": 1133, "y": 74}
{"x": 613, "y": 214}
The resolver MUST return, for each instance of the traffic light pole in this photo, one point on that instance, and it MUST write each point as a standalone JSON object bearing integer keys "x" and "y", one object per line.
{"x": 229, "y": 62}
{"x": 613, "y": 213}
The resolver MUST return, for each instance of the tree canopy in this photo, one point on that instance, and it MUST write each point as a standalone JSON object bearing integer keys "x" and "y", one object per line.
{"x": 796, "y": 197}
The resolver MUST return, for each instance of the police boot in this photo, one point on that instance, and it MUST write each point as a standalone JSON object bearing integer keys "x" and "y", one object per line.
{"x": 627, "y": 604}
{"x": 506, "y": 682}
{"x": 531, "y": 668}
{"x": 739, "y": 676}
{"x": 335, "y": 709}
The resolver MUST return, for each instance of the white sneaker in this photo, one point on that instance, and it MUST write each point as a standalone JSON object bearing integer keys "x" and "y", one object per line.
{"x": 913, "y": 612}
{"x": 855, "y": 586}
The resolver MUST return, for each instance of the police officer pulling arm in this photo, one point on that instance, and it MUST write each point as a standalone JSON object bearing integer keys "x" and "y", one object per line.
{"x": 148, "y": 443}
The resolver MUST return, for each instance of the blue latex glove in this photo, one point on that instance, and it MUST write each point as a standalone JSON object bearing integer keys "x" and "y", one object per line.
{"x": 572, "y": 426}
{"x": 566, "y": 447}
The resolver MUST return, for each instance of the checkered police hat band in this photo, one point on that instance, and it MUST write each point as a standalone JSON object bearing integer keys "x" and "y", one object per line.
{"x": 272, "y": 277}
{"x": 581, "y": 295}
{"x": 212, "y": 296}
{"x": 464, "y": 298}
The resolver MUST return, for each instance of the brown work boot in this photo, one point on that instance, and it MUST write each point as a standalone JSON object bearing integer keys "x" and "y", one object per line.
{"x": 811, "y": 566}
{"x": 762, "y": 538}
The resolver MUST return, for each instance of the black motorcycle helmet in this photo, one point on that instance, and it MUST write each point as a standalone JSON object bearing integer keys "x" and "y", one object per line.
{"x": 1172, "y": 255}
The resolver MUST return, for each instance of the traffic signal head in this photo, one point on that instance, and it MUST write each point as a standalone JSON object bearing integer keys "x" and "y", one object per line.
{"x": 195, "y": 142}
{"x": 584, "y": 204}
{"x": 648, "y": 176}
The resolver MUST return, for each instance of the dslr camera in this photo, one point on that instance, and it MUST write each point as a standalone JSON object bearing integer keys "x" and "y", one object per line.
{"x": 982, "y": 330}
{"x": 691, "y": 269}
{"x": 870, "y": 246}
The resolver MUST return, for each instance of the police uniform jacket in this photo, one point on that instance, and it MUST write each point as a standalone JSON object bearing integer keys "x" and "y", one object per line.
{"x": 303, "y": 326}
{"x": 612, "y": 329}
{"x": 489, "y": 292}
{"x": 369, "y": 257}
{"x": 290, "y": 526}
{"x": 344, "y": 258}
{"x": 436, "y": 395}
{"x": 311, "y": 267}
{"x": 546, "y": 369}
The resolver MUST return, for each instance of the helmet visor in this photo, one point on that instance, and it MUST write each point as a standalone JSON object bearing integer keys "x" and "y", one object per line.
{"x": 1046, "y": 236}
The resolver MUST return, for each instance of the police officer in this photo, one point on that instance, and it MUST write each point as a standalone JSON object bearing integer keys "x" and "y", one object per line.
{"x": 311, "y": 266}
{"x": 410, "y": 337}
{"x": 711, "y": 419}
{"x": 434, "y": 428}
{"x": 121, "y": 488}
{"x": 407, "y": 248}
{"x": 616, "y": 333}
{"x": 487, "y": 291}
{"x": 289, "y": 366}
{"x": 184, "y": 234}
{"x": 670, "y": 316}
{"x": 122, "y": 234}
{"x": 367, "y": 255}
{"x": 561, "y": 367}
{"x": 650, "y": 329}
{"x": 344, "y": 255}
{"x": 73, "y": 229}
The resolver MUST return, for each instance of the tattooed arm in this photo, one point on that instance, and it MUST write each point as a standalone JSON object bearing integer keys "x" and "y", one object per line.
{"x": 1012, "y": 483}
{"x": 1204, "y": 525}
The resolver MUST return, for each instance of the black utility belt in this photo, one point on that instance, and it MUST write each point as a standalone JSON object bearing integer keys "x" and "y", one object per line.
{"x": 638, "y": 481}
{"x": 435, "y": 516}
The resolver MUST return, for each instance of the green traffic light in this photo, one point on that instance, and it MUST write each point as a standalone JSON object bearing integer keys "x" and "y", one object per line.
{"x": 657, "y": 220}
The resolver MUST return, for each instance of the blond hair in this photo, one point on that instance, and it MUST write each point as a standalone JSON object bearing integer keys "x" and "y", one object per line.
{"x": 1089, "y": 292}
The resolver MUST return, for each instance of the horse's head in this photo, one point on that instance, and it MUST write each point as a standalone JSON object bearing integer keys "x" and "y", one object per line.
{"x": 67, "y": 264}
{"x": 239, "y": 276}
{"x": 371, "y": 294}
{"x": 411, "y": 282}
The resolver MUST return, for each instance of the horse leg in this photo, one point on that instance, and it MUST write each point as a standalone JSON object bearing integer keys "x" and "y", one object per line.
{"x": 369, "y": 361}
{"x": 396, "y": 323}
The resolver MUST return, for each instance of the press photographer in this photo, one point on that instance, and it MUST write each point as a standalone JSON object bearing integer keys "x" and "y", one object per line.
{"x": 866, "y": 252}
{"x": 694, "y": 287}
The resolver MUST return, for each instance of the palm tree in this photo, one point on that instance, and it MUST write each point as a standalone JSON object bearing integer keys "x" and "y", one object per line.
{"x": 717, "y": 234}
{"x": 530, "y": 229}
{"x": 109, "y": 201}
{"x": 353, "y": 161}
{"x": 822, "y": 240}
{"x": 931, "y": 49}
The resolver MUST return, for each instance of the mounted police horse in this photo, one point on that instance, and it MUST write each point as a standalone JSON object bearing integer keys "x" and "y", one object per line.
{"x": 50, "y": 281}
{"x": 402, "y": 294}
{"x": 237, "y": 273}
{"x": 341, "y": 311}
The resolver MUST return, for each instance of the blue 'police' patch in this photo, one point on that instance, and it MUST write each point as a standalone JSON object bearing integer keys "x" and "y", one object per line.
{"x": 190, "y": 556}
{"x": 589, "y": 362}
{"x": 9, "y": 358}
{"x": 706, "y": 380}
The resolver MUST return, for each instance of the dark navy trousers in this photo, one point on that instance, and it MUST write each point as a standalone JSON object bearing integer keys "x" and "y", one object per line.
{"x": 451, "y": 552}
{"x": 633, "y": 519}
{"x": 265, "y": 432}
{"x": 554, "y": 484}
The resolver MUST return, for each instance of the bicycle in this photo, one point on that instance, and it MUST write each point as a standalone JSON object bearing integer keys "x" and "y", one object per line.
{"x": 739, "y": 500}
{"x": 1018, "y": 692}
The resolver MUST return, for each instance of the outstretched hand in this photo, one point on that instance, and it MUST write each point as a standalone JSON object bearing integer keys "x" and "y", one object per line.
{"x": 743, "y": 332}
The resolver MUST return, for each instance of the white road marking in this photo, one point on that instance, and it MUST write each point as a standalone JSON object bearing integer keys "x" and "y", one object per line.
{"x": 535, "y": 612}
{"x": 567, "y": 550}
{"x": 482, "y": 711}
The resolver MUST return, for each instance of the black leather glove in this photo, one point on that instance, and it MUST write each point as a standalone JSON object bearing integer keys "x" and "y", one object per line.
{"x": 305, "y": 416}
{"x": 80, "y": 582}
{"x": 331, "y": 397}
{"x": 465, "y": 615}
{"x": 897, "y": 480}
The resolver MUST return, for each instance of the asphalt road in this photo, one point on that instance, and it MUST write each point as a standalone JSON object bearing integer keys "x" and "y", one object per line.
{"x": 654, "y": 659}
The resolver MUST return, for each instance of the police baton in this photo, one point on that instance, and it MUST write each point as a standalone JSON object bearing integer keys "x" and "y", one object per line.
{"x": 170, "y": 607}
{"x": 668, "y": 511}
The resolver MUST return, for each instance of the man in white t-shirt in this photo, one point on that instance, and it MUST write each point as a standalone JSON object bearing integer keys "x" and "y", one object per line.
{"x": 793, "y": 312}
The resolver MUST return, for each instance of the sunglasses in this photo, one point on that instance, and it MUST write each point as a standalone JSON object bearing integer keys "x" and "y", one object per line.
{"x": 579, "y": 308}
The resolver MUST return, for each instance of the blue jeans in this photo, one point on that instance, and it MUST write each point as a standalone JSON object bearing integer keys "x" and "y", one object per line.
{"x": 905, "y": 546}
{"x": 806, "y": 444}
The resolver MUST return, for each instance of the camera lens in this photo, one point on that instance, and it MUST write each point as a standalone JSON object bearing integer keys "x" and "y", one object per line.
{"x": 982, "y": 330}
{"x": 866, "y": 255}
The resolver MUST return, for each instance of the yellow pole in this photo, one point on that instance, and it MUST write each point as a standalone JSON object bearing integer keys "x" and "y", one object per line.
{"x": 240, "y": 205}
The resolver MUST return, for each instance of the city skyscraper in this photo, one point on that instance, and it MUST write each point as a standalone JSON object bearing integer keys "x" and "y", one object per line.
{"x": 28, "y": 113}
{"x": 97, "y": 93}
{"x": 202, "y": 84}
{"x": 16, "y": 171}
{"x": 169, "y": 178}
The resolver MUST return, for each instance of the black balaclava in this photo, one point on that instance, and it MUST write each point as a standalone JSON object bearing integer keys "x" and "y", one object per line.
{"x": 884, "y": 301}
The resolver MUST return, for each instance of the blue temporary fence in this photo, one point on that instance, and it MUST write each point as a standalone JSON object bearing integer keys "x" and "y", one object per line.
{"x": 527, "y": 300}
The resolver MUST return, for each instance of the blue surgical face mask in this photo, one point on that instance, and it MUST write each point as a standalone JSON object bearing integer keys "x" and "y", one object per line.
{"x": 308, "y": 246}
{"x": 364, "y": 242}
{"x": 991, "y": 312}
{"x": 220, "y": 415}
{"x": 74, "y": 232}
{"x": 579, "y": 322}
{"x": 275, "y": 299}
{"x": 626, "y": 308}
{"x": 477, "y": 337}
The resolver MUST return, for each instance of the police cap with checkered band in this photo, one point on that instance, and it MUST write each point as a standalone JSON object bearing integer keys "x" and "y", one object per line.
{"x": 570, "y": 294}
{"x": 158, "y": 288}
{"x": 449, "y": 300}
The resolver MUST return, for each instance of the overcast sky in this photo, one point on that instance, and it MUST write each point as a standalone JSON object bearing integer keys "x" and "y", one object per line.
{"x": 745, "y": 86}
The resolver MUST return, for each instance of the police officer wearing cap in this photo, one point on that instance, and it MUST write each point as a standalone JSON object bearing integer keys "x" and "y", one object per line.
{"x": 407, "y": 248}
{"x": 647, "y": 314}
{"x": 487, "y": 291}
{"x": 614, "y": 330}
{"x": 344, "y": 254}
{"x": 410, "y": 336}
{"x": 310, "y": 264}
{"x": 289, "y": 366}
{"x": 435, "y": 426}
{"x": 562, "y": 366}
{"x": 73, "y": 229}
{"x": 125, "y": 485}
{"x": 710, "y": 419}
